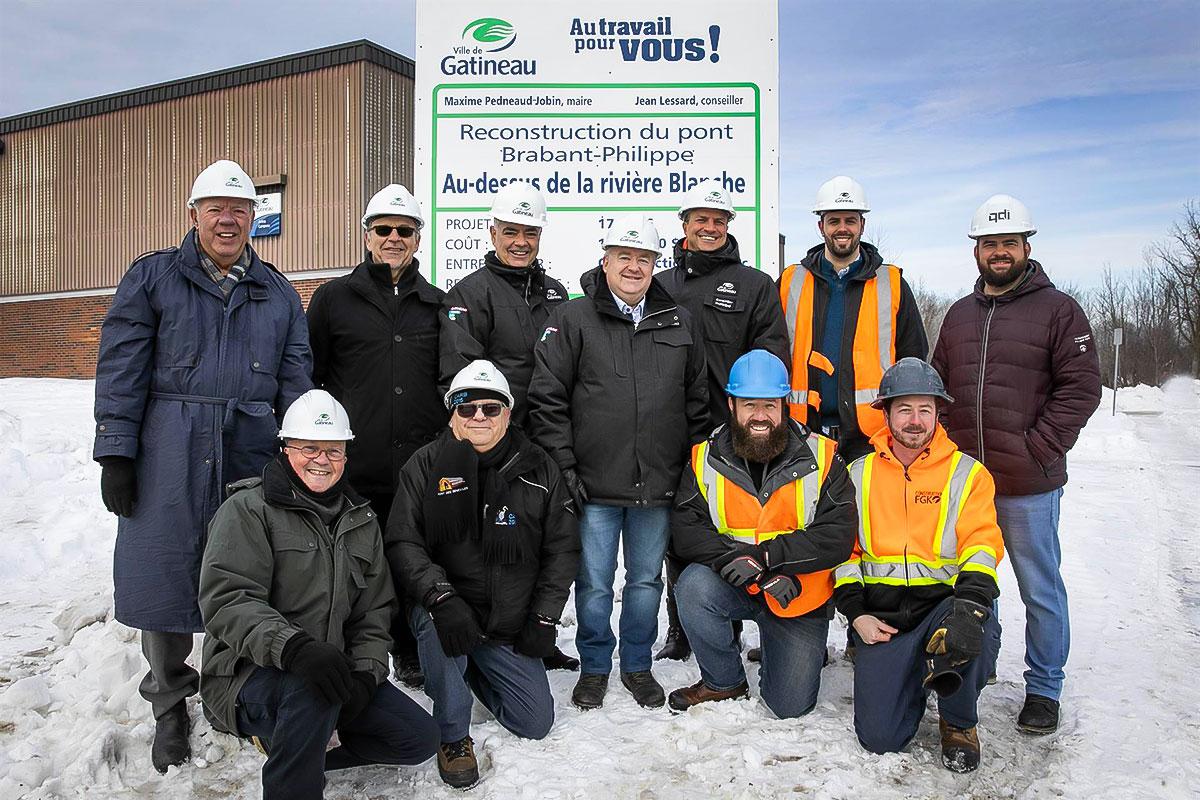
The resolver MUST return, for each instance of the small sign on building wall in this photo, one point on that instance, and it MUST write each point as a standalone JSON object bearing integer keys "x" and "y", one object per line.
{"x": 267, "y": 215}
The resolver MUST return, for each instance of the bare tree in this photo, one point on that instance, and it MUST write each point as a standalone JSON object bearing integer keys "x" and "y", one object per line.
{"x": 1179, "y": 260}
{"x": 933, "y": 308}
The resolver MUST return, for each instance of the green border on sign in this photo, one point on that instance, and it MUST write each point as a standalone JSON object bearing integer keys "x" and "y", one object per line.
{"x": 757, "y": 114}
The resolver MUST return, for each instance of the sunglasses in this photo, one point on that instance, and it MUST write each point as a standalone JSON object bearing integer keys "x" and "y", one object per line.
{"x": 404, "y": 231}
{"x": 310, "y": 452}
{"x": 467, "y": 410}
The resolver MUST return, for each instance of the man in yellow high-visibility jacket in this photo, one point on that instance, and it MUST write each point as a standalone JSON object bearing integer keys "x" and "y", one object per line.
{"x": 765, "y": 511}
{"x": 919, "y": 586}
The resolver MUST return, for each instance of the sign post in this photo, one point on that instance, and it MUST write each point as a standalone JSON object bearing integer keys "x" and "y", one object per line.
{"x": 1118, "y": 336}
{"x": 608, "y": 108}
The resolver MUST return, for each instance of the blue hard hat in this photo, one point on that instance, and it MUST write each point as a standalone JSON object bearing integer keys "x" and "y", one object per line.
{"x": 758, "y": 374}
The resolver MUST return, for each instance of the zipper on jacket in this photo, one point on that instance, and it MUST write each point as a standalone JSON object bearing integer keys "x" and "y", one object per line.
{"x": 987, "y": 327}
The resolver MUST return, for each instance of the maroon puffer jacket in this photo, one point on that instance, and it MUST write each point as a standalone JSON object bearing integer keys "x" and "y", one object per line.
{"x": 1028, "y": 360}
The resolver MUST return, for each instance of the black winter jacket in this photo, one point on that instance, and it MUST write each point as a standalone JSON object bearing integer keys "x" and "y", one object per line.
{"x": 375, "y": 348}
{"x": 620, "y": 404}
{"x": 736, "y": 308}
{"x": 910, "y": 341}
{"x": 1023, "y": 370}
{"x": 502, "y": 596}
{"x": 498, "y": 313}
{"x": 824, "y": 544}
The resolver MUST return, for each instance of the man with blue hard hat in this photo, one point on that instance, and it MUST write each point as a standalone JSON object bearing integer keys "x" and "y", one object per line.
{"x": 765, "y": 512}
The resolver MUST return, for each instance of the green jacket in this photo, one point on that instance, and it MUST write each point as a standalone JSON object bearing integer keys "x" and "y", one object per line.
{"x": 271, "y": 569}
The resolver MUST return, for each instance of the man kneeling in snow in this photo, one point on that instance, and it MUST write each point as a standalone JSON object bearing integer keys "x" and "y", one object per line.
{"x": 297, "y": 599}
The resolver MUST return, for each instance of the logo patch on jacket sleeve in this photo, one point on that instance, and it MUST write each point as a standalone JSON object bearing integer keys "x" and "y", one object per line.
{"x": 451, "y": 485}
{"x": 546, "y": 334}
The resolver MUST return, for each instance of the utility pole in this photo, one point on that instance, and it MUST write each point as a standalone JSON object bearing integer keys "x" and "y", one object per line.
{"x": 1118, "y": 336}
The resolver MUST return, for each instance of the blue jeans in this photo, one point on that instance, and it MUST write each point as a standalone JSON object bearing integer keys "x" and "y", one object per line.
{"x": 296, "y": 724}
{"x": 889, "y": 700}
{"x": 512, "y": 686}
{"x": 644, "y": 533}
{"x": 793, "y": 649}
{"x": 1030, "y": 527}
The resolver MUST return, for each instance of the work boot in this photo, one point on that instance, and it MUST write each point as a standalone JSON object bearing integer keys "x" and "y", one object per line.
{"x": 647, "y": 691}
{"x": 1039, "y": 716}
{"x": 589, "y": 691}
{"x": 407, "y": 669}
{"x": 560, "y": 660}
{"x": 699, "y": 692}
{"x": 171, "y": 747}
{"x": 960, "y": 748}
{"x": 754, "y": 654}
{"x": 457, "y": 764}
{"x": 676, "y": 647}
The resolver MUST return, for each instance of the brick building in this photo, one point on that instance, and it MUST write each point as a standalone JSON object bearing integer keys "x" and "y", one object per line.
{"x": 85, "y": 187}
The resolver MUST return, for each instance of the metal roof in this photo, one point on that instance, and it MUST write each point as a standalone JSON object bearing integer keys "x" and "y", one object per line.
{"x": 309, "y": 61}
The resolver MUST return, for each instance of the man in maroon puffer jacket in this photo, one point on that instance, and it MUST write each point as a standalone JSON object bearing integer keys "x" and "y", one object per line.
{"x": 1019, "y": 358}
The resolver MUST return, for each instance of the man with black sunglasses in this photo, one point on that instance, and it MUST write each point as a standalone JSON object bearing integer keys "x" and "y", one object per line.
{"x": 374, "y": 337}
{"x": 484, "y": 543}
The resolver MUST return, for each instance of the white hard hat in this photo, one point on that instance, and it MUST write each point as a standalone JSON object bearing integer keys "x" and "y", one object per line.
{"x": 841, "y": 194}
{"x": 393, "y": 200}
{"x": 707, "y": 194}
{"x": 481, "y": 374}
{"x": 520, "y": 202}
{"x": 634, "y": 230}
{"x": 1001, "y": 213}
{"x": 222, "y": 178}
{"x": 315, "y": 415}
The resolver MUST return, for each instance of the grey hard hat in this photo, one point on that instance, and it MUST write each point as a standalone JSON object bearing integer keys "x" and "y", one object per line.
{"x": 910, "y": 376}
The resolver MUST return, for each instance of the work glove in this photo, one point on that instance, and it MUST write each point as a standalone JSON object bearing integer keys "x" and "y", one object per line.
{"x": 781, "y": 587}
{"x": 538, "y": 637}
{"x": 457, "y": 628}
{"x": 960, "y": 636}
{"x": 740, "y": 566}
{"x": 322, "y": 665}
{"x": 118, "y": 484}
{"x": 362, "y": 690}
{"x": 575, "y": 487}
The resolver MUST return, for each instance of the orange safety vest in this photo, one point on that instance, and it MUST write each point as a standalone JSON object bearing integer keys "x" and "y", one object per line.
{"x": 925, "y": 525}
{"x": 739, "y": 515}
{"x": 874, "y": 341}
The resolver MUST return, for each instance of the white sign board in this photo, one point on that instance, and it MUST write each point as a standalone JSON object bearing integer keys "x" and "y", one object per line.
{"x": 609, "y": 108}
{"x": 268, "y": 215}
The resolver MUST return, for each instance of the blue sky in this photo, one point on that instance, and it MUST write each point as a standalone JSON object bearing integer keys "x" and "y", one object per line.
{"x": 1089, "y": 112}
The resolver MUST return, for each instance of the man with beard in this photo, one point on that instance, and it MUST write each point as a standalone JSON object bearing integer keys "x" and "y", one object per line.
{"x": 919, "y": 587}
{"x": 850, "y": 317}
{"x": 1019, "y": 355}
{"x": 765, "y": 512}
{"x": 497, "y": 313}
{"x": 736, "y": 309}
{"x": 374, "y": 337}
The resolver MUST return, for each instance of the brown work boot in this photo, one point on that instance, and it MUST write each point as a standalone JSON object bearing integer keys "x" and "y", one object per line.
{"x": 960, "y": 748}
{"x": 699, "y": 692}
{"x": 457, "y": 764}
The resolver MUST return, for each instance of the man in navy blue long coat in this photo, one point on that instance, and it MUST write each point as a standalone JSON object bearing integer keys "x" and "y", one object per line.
{"x": 204, "y": 346}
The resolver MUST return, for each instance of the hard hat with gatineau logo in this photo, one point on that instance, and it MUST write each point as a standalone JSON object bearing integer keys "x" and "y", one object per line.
{"x": 393, "y": 200}
{"x": 841, "y": 194}
{"x": 707, "y": 194}
{"x": 222, "y": 178}
{"x": 478, "y": 375}
{"x": 634, "y": 230}
{"x": 317, "y": 416}
{"x": 520, "y": 202}
{"x": 1001, "y": 213}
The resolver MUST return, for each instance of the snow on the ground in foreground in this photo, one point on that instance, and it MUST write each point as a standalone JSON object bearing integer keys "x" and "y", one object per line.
{"x": 72, "y": 724}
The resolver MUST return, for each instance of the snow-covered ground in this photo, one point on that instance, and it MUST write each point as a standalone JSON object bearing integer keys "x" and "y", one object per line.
{"x": 72, "y": 724}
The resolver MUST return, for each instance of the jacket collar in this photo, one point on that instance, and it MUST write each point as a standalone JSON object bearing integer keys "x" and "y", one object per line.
{"x": 871, "y": 262}
{"x": 189, "y": 258}
{"x": 279, "y": 492}
{"x": 361, "y": 281}
{"x": 940, "y": 448}
{"x": 658, "y": 299}
{"x": 782, "y": 469}
{"x": 1035, "y": 278}
{"x": 696, "y": 264}
{"x": 524, "y": 458}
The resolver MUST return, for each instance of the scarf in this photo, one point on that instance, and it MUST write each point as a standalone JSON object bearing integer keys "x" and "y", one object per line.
{"x": 327, "y": 504}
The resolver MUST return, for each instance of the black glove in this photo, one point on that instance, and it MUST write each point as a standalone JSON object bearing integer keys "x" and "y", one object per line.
{"x": 740, "y": 566}
{"x": 537, "y": 638}
{"x": 118, "y": 485}
{"x": 322, "y": 665}
{"x": 575, "y": 487}
{"x": 362, "y": 690}
{"x": 782, "y": 587}
{"x": 960, "y": 635}
{"x": 457, "y": 628}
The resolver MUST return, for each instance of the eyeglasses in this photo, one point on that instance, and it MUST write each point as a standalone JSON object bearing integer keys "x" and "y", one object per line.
{"x": 311, "y": 451}
{"x": 467, "y": 410}
{"x": 384, "y": 231}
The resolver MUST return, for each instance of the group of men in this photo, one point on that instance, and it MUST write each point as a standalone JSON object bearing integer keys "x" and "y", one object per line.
{"x": 450, "y": 464}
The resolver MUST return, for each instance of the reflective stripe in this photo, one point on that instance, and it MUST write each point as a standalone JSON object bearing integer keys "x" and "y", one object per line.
{"x": 849, "y": 572}
{"x": 860, "y": 474}
{"x": 706, "y": 475}
{"x": 980, "y": 558}
{"x": 798, "y": 397}
{"x": 963, "y": 470}
{"x": 792, "y": 306}
{"x": 883, "y": 310}
{"x": 910, "y": 572}
{"x": 865, "y": 396}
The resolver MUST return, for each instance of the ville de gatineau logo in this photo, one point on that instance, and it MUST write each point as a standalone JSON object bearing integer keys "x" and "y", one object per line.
{"x": 482, "y": 42}
{"x": 490, "y": 33}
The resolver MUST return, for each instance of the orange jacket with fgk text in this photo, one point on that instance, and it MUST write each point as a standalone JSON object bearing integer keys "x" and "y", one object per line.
{"x": 924, "y": 533}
